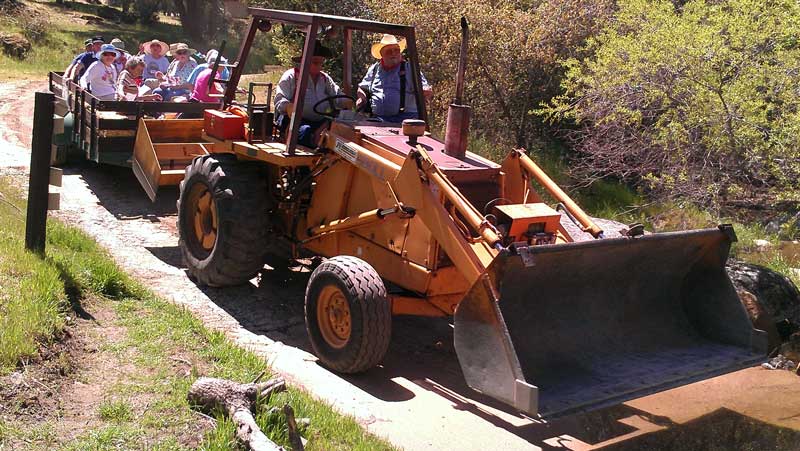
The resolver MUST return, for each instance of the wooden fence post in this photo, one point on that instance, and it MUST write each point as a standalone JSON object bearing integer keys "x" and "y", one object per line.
{"x": 38, "y": 184}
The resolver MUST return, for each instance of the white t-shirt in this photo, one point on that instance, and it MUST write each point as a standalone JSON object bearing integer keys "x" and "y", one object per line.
{"x": 100, "y": 80}
{"x": 153, "y": 65}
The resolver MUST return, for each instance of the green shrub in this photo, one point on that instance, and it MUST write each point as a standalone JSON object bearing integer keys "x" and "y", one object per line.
{"x": 698, "y": 101}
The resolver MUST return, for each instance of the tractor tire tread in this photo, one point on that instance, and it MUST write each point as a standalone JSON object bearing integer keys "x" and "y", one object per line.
{"x": 368, "y": 292}
{"x": 242, "y": 231}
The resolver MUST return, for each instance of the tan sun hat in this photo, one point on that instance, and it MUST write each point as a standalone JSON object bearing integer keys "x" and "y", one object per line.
{"x": 162, "y": 44}
{"x": 118, "y": 43}
{"x": 180, "y": 46}
{"x": 387, "y": 39}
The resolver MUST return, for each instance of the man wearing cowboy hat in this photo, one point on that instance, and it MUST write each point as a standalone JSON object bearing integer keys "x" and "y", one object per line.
{"x": 387, "y": 86}
{"x": 155, "y": 63}
{"x": 320, "y": 85}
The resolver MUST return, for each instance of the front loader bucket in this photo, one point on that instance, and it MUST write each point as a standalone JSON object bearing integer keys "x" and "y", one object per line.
{"x": 583, "y": 325}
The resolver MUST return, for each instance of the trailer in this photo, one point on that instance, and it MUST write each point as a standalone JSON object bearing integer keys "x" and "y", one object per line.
{"x": 103, "y": 131}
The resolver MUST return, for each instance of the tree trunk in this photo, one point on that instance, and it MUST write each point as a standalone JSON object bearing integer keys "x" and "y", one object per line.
{"x": 192, "y": 18}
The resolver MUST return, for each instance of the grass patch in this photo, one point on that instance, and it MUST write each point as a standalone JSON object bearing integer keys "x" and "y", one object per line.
{"x": 164, "y": 334}
{"x": 118, "y": 411}
{"x": 32, "y": 296}
{"x": 166, "y": 344}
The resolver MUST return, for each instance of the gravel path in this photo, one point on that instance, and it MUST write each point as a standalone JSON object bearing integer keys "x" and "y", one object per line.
{"x": 417, "y": 398}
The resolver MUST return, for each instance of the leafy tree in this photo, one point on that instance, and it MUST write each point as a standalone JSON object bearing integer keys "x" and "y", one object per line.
{"x": 288, "y": 41}
{"x": 698, "y": 100}
{"x": 147, "y": 10}
{"x": 514, "y": 51}
{"x": 201, "y": 20}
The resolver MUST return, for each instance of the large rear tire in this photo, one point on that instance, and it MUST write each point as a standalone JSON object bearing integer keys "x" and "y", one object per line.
{"x": 348, "y": 315}
{"x": 223, "y": 219}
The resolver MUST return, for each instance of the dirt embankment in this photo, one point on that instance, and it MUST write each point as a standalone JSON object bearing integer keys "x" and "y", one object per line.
{"x": 16, "y": 119}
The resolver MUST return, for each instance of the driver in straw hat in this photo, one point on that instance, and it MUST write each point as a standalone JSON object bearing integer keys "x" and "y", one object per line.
{"x": 384, "y": 81}
{"x": 320, "y": 86}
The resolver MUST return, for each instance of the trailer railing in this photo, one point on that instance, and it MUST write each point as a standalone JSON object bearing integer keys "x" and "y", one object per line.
{"x": 103, "y": 136}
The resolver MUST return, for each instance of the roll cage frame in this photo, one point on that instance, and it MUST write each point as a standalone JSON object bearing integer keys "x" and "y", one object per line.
{"x": 263, "y": 20}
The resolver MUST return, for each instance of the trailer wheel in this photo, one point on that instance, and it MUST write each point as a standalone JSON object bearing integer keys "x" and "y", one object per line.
{"x": 223, "y": 220}
{"x": 348, "y": 315}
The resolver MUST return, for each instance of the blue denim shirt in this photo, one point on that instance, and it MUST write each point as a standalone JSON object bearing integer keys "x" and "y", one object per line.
{"x": 384, "y": 89}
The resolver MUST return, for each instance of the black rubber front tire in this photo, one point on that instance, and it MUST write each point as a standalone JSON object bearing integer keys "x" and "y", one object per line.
{"x": 370, "y": 314}
{"x": 240, "y": 202}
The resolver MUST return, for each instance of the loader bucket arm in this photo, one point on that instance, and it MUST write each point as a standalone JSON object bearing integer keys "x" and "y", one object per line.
{"x": 580, "y": 326}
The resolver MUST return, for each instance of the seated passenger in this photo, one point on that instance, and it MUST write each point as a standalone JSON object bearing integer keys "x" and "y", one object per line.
{"x": 211, "y": 56}
{"x": 101, "y": 77}
{"x": 384, "y": 81}
{"x": 119, "y": 63}
{"x": 320, "y": 85}
{"x": 201, "y": 92}
{"x": 128, "y": 82}
{"x": 81, "y": 63}
{"x": 156, "y": 64}
{"x": 182, "y": 65}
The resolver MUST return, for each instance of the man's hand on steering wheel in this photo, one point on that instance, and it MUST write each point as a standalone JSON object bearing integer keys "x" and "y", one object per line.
{"x": 333, "y": 111}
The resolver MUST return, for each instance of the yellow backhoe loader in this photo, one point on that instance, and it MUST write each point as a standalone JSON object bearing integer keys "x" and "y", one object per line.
{"x": 545, "y": 320}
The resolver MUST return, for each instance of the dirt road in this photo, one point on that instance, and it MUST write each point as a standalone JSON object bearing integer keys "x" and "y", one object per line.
{"x": 417, "y": 398}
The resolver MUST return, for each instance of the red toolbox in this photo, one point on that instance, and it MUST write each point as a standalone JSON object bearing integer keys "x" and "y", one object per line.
{"x": 223, "y": 125}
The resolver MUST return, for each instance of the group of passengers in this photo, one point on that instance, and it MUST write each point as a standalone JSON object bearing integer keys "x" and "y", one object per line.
{"x": 387, "y": 89}
{"x": 109, "y": 72}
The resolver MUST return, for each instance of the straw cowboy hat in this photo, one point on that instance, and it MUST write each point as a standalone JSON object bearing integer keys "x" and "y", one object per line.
{"x": 174, "y": 48}
{"x": 162, "y": 44}
{"x": 387, "y": 39}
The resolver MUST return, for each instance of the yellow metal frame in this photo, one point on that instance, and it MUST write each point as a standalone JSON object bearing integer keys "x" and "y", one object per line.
{"x": 399, "y": 212}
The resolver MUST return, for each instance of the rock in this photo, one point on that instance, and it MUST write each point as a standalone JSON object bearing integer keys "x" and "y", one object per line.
{"x": 15, "y": 45}
{"x": 776, "y": 297}
{"x": 760, "y": 318}
{"x": 762, "y": 245}
{"x": 611, "y": 229}
{"x": 791, "y": 349}
{"x": 779, "y": 362}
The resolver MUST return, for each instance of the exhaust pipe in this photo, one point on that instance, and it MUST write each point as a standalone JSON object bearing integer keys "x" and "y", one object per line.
{"x": 457, "y": 131}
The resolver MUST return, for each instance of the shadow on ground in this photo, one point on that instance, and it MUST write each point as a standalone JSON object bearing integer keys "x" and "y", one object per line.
{"x": 422, "y": 352}
{"x": 119, "y": 192}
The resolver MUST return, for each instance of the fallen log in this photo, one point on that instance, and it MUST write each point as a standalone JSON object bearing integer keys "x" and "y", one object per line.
{"x": 238, "y": 401}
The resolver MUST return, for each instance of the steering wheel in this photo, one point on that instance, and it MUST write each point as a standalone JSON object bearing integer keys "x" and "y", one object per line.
{"x": 330, "y": 100}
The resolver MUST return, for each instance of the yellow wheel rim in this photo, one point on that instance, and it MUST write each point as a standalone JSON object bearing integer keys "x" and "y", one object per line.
{"x": 333, "y": 316}
{"x": 203, "y": 214}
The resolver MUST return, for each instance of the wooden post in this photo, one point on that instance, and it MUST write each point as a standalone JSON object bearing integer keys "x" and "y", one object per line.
{"x": 38, "y": 184}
